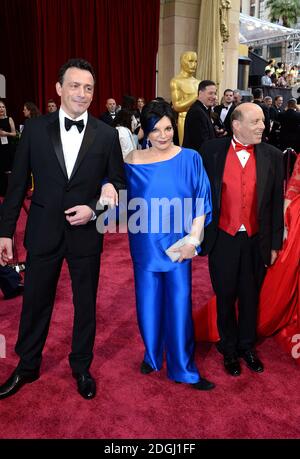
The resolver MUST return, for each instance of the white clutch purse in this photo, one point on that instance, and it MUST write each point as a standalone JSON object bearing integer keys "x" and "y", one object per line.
{"x": 174, "y": 256}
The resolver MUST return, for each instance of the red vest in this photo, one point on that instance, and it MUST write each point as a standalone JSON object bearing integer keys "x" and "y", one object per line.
{"x": 239, "y": 196}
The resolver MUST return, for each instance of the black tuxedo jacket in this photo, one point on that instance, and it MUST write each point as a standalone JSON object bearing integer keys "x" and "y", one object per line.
{"x": 107, "y": 118}
{"x": 269, "y": 176}
{"x": 40, "y": 153}
{"x": 197, "y": 127}
{"x": 227, "y": 121}
{"x": 290, "y": 129}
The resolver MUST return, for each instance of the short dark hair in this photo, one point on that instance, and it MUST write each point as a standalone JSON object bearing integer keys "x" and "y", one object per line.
{"x": 278, "y": 97}
{"x": 128, "y": 102}
{"x": 292, "y": 103}
{"x": 227, "y": 90}
{"x": 78, "y": 63}
{"x": 204, "y": 83}
{"x": 257, "y": 93}
{"x": 153, "y": 112}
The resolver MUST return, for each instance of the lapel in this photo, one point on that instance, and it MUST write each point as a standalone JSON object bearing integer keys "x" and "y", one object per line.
{"x": 88, "y": 139}
{"x": 262, "y": 170}
{"x": 54, "y": 133}
{"x": 219, "y": 165}
{"x": 208, "y": 118}
{"x": 229, "y": 111}
{"x": 204, "y": 109}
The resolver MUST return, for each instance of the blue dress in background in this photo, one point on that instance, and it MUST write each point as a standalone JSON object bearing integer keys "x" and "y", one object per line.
{"x": 163, "y": 287}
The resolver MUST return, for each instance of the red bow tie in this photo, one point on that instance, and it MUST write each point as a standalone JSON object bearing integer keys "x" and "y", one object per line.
{"x": 248, "y": 148}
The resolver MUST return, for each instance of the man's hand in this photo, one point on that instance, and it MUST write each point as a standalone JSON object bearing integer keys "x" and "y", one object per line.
{"x": 6, "y": 253}
{"x": 79, "y": 215}
{"x": 274, "y": 255}
{"x": 109, "y": 196}
{"x": 187, "y": 251}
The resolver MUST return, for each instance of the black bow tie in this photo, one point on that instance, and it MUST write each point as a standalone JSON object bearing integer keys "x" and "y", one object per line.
{"x": 69, "y": 123}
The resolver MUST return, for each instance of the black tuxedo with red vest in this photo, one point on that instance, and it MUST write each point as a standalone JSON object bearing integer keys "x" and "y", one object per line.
{"x": 247, "y": 224}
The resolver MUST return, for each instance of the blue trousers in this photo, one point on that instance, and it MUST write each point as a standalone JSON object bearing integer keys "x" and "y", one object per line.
{"x": 164, "y": 312}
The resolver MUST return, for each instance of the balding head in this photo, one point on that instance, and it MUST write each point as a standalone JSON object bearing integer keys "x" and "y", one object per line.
{"x": 111, "y": 105}
{"x": 248, "y": 123}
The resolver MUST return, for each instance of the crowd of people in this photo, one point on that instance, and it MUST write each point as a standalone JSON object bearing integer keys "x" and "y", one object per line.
{"x": 280, "y": 75}
{"x": 230, "y": 166}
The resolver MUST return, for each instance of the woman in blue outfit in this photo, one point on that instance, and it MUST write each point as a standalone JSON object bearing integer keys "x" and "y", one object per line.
{"x": 169, "y": 198}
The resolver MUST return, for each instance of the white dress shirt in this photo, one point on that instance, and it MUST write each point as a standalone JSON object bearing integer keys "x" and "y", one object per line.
{"x": 224, "y": 112}
{"x": 243, "y": 155}
{"x": 71, "y": 140}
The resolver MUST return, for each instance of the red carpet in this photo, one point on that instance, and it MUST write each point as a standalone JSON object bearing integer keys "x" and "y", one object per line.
{"x": 131, "y": 405}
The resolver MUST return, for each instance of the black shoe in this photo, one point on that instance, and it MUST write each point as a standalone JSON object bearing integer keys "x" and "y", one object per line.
{"x": 203, "y": 384}
{"x": 232, "y": 365}
{"x": 16, "y": 381}
{"x": 146, "y": 368}
{"x": 252, "y": 361}
{"x": 19, "y": 290}
{"x": 86, "y": 384}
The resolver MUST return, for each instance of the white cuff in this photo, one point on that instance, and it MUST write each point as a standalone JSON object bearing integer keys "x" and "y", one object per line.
{"x": 192, "y": 240}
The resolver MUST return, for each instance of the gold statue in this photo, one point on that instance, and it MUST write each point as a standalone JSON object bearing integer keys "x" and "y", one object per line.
{"x": 184, "y": 88}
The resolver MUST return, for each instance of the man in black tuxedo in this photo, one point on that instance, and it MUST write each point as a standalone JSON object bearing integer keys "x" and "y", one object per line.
{"x": 275, "y": 111}
{"x": 69, "y": 154}
{"x": 224, "y": 110}
{"x": 109, "y": 115}
{"x": 290, "y": 126}
{"x": 246, "y": 232}
{"x": 198, "y": 126}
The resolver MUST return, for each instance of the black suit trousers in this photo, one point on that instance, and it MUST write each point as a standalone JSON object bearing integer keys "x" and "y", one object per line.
{"x": 237, "y": 271}
{"x": 41, "y": 278}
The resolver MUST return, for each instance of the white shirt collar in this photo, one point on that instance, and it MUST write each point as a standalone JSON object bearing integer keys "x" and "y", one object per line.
{"x": 235, "y": 140}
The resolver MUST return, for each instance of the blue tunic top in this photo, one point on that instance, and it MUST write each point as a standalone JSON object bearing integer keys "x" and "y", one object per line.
{"x": 163, "y": 198}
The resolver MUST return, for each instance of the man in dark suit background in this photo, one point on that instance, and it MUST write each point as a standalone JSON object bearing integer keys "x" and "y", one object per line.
{"x": 290, "y": 126}
{"x": 246, "y": 232}
{"x": 109, "y": 115}
{"x": 69, "y": 154}
{"x": 274, "y": 111}
{"x": 225, "y": 109}
{"x": 198, "y": 126}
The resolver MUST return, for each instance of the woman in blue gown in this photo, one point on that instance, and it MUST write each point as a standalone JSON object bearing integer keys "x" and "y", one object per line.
{"x": 169, "y": 198}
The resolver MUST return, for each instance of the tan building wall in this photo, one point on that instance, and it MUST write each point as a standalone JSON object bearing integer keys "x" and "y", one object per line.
{"x": 179, "y": 22}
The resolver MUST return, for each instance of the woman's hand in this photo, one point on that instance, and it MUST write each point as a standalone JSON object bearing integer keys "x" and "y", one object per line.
{"x": 109, "y": 196}
{"x": 187, "y": 251}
